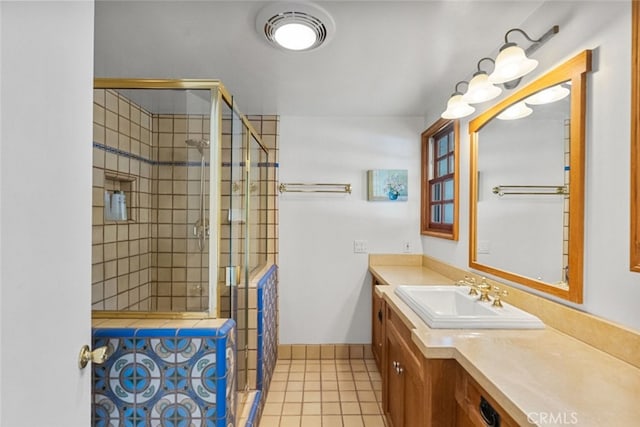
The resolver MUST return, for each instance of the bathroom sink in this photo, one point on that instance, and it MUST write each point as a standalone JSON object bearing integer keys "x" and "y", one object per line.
{"x": 450, "y": 307}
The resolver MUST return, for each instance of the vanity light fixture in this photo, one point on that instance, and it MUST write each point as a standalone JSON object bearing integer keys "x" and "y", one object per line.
{"x": 516, "y": 111}
{"x": 295, "y": 26}
{"x": 456, "y": 107}
{"x": 549, "y": 95}
{"x": 512, "y": 62}
{"x": 480, "y": 88}
{"x": 509, "y": 68}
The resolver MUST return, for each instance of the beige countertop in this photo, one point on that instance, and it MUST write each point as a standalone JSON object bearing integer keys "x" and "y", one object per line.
{"x": 540, "y": 377}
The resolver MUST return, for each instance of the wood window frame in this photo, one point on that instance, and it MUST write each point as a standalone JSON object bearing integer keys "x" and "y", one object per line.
{"x": 425, "y": 205}
{"x": 635, "y": 137}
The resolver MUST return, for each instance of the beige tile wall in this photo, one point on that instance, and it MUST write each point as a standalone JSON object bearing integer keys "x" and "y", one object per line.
{"x": 180, "y": 269}
{"x": 324, "y": 351}
{"x": 121, "y": 257}
{"x": 152, "y": 260}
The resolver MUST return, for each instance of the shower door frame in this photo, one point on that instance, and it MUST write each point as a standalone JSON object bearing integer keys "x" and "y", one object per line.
{"x": 219, "y": 94}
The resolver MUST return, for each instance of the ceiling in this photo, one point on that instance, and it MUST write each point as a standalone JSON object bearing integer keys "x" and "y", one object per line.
{"x": 387, "y": 58}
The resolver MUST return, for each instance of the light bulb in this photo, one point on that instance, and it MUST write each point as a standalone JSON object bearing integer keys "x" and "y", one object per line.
{"x": 511, "y": 64}
{"x": 480, "y": 89}
{"x": 295, "y": 36}
{"x": 549, "y": 95}
{"x": 516, "y": 111}
{"x": 457, "y": 108}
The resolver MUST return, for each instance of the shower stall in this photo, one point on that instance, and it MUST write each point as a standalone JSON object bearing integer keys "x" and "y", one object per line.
{"x": 186, "y": 172}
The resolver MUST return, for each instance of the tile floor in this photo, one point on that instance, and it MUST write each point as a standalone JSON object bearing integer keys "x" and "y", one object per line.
{"x": 324, "y": 393}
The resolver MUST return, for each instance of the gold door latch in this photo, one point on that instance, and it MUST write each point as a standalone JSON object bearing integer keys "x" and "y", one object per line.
{"x": 98, "y": 356}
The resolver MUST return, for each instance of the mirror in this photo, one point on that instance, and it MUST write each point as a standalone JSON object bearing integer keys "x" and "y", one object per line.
{"x": 527, "y": 184}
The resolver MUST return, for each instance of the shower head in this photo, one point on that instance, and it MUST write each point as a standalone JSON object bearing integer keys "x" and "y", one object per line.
{"x": 200, "y": 144}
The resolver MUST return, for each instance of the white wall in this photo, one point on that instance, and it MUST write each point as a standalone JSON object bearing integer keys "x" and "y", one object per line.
{"x": 325, "y": 296}
{"x": 1, "y": 101}
{"x": 611, "y": 291}
{"x": 46, "y": 65}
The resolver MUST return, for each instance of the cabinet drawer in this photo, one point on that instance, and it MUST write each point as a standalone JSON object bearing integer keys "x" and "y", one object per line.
{"x": 474, "y": 405}
{"x": 399, "y": 325}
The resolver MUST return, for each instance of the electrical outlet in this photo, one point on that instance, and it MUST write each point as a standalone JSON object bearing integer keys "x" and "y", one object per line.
{"x": 360, "y": 247}
{"x": 406, "y": 246}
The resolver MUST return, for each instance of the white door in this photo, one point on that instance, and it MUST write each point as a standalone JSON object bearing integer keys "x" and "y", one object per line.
{"x": 46, "y": 80}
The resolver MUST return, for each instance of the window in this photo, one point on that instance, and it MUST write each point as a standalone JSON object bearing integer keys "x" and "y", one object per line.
{"x": 439, "y": 207}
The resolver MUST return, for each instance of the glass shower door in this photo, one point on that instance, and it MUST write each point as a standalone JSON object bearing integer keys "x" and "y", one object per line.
{"x": 232, "y": 275}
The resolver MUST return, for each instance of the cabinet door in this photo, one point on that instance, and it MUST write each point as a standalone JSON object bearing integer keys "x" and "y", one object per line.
{"x": 394, "y": 381}
{"x": 377, "y": 323}
{"x": 415, "y": 406}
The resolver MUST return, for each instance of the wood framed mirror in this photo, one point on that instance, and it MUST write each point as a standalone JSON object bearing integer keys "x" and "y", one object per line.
{"x": 527, "y": 184}
{"x": 635, "y": 137}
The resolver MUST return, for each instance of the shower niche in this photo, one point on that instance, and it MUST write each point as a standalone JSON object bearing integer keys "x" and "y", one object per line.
{"x": 120, "y": 197}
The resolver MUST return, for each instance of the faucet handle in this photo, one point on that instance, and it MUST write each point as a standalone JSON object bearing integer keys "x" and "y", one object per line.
{"x": 470, "y": 282}
{"x": 497, "y": 295}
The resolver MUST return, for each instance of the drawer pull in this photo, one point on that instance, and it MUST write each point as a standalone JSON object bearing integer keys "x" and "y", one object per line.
{"x": 380, "y": 315}
{"x": 489, "y": 415}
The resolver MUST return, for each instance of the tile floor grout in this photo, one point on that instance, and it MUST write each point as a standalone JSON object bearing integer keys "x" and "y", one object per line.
{"x": 324, "y": 393}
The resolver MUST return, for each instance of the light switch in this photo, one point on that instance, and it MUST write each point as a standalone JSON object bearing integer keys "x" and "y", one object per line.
{"x": 360, "y": 247}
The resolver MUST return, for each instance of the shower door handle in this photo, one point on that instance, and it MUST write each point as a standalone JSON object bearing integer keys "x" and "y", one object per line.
{"x": 232, "y": 275}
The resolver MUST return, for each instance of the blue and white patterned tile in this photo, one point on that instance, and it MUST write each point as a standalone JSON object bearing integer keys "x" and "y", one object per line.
{"x": 176, "y": 378}
{"x": 134, "y": 378}
{"x": 105, "y": 412}
{"x": 175, "y": 350}
{"x": 134, "y": 416}
{"x": 204, "y": 378}
{"x": 175, "y": 410}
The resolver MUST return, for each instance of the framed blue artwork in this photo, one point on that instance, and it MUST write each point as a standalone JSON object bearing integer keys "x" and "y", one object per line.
{"x": 388, "y": 185}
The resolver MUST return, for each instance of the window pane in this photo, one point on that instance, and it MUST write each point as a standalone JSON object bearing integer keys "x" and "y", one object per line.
{"x": 435, "y": 192}
{"x": 451, "y": 164}
{"x": 448, "y": 213}
{"x": 443, "y": 167}
{"x": 443, "y": 145}
{"x": 435, "y": 214}
{"x": 448, "y": 189}
{"x": 451, "y": 144}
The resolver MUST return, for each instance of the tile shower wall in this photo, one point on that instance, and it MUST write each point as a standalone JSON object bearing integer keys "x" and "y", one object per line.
{"x": 150, "y": 261}
{"x": 268, "y": 128}
{"x": 121, "y": 251}
{"x": 180, "y": 270}
{"x": 165, "y": 377}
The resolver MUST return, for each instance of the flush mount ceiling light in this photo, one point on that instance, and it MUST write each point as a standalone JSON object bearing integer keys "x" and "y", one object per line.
{"x": 547, "y": 96}
{"x": 456, "y": 107}
{"x": 295, "y": 26}
{"x": 480, "y": 88}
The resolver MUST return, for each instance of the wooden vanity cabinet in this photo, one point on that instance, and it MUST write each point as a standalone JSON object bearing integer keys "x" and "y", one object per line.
{"x": 417, "y": 392}
{"x": 474, "y": 406}
{"x": 421, "y": 392}
{"x": 377, "y": 325}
